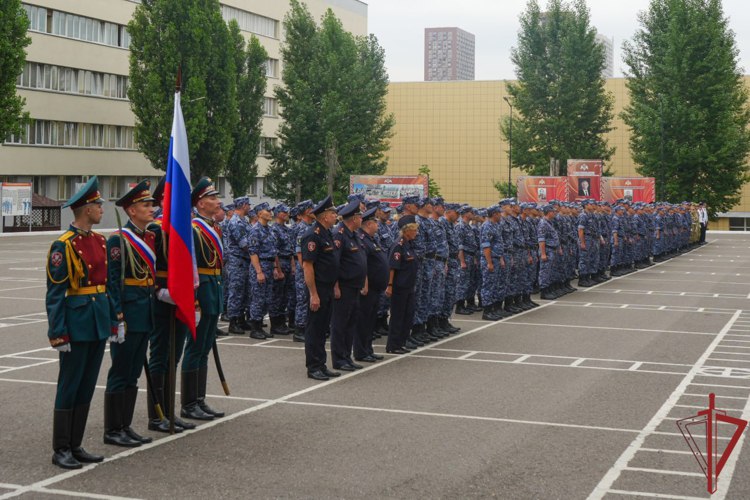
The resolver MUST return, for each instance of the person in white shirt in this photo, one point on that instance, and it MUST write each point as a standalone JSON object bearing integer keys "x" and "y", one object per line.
{"x": 703, "y": 219}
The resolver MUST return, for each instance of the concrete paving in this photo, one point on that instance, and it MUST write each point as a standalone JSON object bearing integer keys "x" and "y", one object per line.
{"x": 576, "y": 399}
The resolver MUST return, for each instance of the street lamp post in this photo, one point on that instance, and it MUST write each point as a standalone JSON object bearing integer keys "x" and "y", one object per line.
{"x": 510, "y": 141}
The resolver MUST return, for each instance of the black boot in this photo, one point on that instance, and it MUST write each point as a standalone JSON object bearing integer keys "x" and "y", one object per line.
{"x": 382, "y": 325}
{"x": 510, "y": 305}
{"x": 436, "y": 330}
{"x": 299, "y": 334}
{"x": 527, "y": 300}
{"x": 445, "y": 324}
{"x": 131, "y": 395}
{"x": 244, "y": 322}
{"x": 114, "y": 403}
{"x": 461, "y": 308}
{"x": 80, "y": 416}
{"x": 189, "y": 396}
{"x": 155, "y": 423}
{"x": 475, "y": 306}
{"x": 546, "y": 294}
{"x": 179, "y": 424}
{"x": 489, "y": 313}
{"x": 291, "y": 320}
{"x": 256, "y": 331}
{"x": 522, "y": 304}
{"x": 202, "y": 378}
{"x": 278, "y": 326}
{"x": 584, "y": 281}
{"x": 62, "y": 423}
{"x": 235, "y": 327}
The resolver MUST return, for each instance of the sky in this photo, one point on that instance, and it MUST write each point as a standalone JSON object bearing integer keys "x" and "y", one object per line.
{"x": 399, "y": 26}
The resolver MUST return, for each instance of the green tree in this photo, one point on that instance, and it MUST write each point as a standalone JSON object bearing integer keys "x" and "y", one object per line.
{"x": 688, "y": 110}
{"x": 433, "y": 189}
{"x": 559, "y": 94}
{"x": 13, "y": 40}
{"x": 505, "y": 189}
{"x": 333, "y": 105}
{"x": 190, "y": 35}
{"x": 250, "y": 65}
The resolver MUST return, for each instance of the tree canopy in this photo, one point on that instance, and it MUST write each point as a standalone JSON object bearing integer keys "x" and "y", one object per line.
{"x": 561, "y": 107}
{"x": 688, "y": 109}
{"x": 333, "y": 106}
{"x": 192, "y": 36}
{"x": 13, "y": 41}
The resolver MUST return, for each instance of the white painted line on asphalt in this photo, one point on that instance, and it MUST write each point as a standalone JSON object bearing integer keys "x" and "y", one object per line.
{"x": 655, "y": 495}
{"x": 81, "y": 494}
{"x": 624, "y": 306}
{"x": 609, "y": 328}
{"x": 18, "y": 380}
{"x": 745, "y": 387}
{"x": 577, "y": 362}
{"x": 717, "y": 395}
{"x": 733, "y": 353}
{"x": 587, "y": 304}
{"x": 21, "y": 288}
{"x": 635, "y": 366}
{"x": 519, "y": 360}
{"x": 23, "y": 298}
{"x": 661, "y": 308}
{"x": 649, "y": 293}
{"x": 673, "y": 452}
{"x": 467, "y": 355}
{"x": 724, "y": 346}
{"x": 461, "y": 416}
{"x": 682, "y": 294}
{"x": 664, "y": 471}
{"x": 732, "y": 360}
{"x": 16, "y": 368}
{"x": 606, "y": 483}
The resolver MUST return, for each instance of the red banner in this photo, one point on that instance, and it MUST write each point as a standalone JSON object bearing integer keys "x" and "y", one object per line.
{"x": 584, "y": 179}
{"x": 389, "y": 189}
{"x": 542, "y": 189}
{"x": 633, "y": 188}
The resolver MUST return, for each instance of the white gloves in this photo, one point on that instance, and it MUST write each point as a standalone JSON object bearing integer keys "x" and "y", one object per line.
{"x": 63, "y": 347}
{"x": 163, "y": 295}
{"x": 119, "y": 337}
{"x": 197, "y": 317}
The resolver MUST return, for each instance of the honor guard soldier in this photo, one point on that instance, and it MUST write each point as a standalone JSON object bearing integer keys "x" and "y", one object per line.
{"x": 321, "y": 269}
{"x": 401, "y": 288}
{"x": 158, "y": 356}
{"x": 351, "y": 283}
{"x": 132, "y": 270}
{"x": 209, "y": 255}
{"x": 377, "y": 279}
{"x": 79, "y": 314}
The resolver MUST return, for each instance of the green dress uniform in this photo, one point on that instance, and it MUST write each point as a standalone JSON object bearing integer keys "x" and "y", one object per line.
{"x": 164, "y": 312}
{"x": 80, "y": 321}
{"x": 132, "y": 261}
{"x": 209, "y": 259}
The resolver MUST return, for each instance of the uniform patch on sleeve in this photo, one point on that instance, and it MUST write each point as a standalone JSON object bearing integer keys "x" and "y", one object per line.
{"x": 311, "y": 246}
{"x": 114, "y": 253}
{"x": 337, "y": 243}
{"x": 397, "y": 255}
{"x": 56, "y": 259}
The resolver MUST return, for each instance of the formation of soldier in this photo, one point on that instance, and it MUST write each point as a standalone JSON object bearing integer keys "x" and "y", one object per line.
{"x": 350, "y": 273}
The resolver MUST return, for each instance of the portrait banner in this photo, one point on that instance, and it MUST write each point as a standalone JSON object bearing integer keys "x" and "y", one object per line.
{"x": 542, "y": 190}
{"x": 16, "y": 198}
{"x": 584, "y": 179}
{"x": 641, "y": 189}
{"x": 389, "y": 189}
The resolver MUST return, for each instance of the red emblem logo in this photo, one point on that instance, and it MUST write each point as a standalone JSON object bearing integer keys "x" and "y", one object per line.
{"x": 397, "y": 255}
{"x": 337, "y": 243}
{"x": 311, "y": 246}
{"x": 56, "y": 259}
{"x": 114, "y": 254}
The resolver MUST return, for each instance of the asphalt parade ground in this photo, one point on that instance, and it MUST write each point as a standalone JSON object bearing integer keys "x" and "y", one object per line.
{"x": 576, "y": 399}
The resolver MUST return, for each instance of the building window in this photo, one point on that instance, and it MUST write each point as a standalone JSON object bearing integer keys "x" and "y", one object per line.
{"x": 739, "y": 224}
{"x": 269, "y": 107}
{"x": 272, "y": 68}
{"x": 72, "y": 81}
{"x": 74, "y": 135}
{"x": 78, "y": 27}
{"x": 253, "y": 23}
{"x": 266, "y": 145}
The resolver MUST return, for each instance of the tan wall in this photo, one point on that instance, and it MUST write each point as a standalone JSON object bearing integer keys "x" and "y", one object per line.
{"x": 453, "y": 127}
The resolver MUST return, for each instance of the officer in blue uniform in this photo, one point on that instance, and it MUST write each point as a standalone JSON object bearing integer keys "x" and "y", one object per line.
{"x": 302, "y": 295}
{"x": 132, "y": 274}
{"x": 493, "y": 265}
{"x": 385, "y": 240}
{"x": 403, "y": 266}
{"x": 283, "y": 300}
{"x": 351, "y": 283}
{"x": 80, "y": 321}
{"x": 468, "y": 253}
{"x": 448, "y": 222}
{"x": 236, "y": 238}
{"x": 264, "y": 269}
{"x": 475, "y": 280}
{"x": 377, "y": 280}
{"x": 549, "y": 251}
{"x": 321, "y": 270}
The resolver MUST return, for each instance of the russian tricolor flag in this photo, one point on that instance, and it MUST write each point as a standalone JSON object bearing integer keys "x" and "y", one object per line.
{"x": 182, "y": 278}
